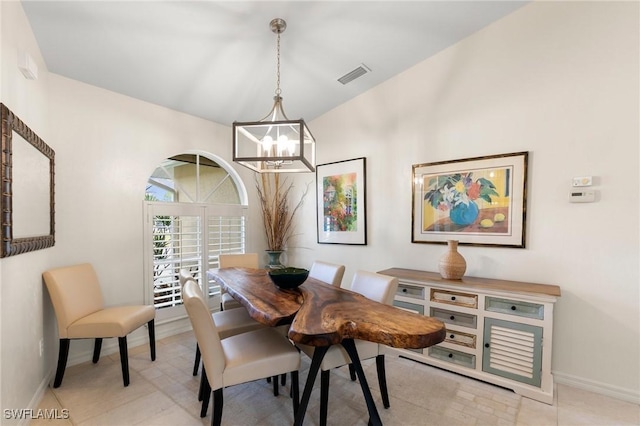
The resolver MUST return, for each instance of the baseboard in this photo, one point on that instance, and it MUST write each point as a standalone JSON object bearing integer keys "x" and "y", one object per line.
{"x": 37, "y": 397}
{"x": 628, "y": 395}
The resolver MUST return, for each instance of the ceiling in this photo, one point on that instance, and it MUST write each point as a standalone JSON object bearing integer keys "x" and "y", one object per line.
{"x": 217, "y": 59}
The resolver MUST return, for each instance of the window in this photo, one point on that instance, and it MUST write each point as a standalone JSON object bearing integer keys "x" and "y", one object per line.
{"x": 193, "y": 213}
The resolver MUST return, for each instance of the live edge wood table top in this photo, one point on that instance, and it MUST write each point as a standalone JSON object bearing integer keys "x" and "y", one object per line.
{"x": 322, "y": 315}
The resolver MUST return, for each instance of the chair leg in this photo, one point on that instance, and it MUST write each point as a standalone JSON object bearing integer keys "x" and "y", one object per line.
{"x": 196, "y": 363}
{"x": 216, "y": 417}
{"x": 203, "y": 377}
{"x": 283, "y": 379}
{"x": 206, "y": 393}
{"x": 124, "y": 359}
{"x": 63, "y": 354}
{"x": 382, "y": 380}
{"x": 295, "y": 388}
{"x": 152, "y": 338}
{"x": 275, "y": 386}
{"x": 96, "y": 350}
{"x": 352, "y": 372}
{"x": 324, "y": 396}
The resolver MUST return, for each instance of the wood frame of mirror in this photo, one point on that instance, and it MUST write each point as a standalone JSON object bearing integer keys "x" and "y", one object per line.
{"x": 12, "y": 246}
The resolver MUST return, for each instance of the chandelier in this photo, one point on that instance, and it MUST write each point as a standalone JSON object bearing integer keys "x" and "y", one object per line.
{"x": 275, "y": 144}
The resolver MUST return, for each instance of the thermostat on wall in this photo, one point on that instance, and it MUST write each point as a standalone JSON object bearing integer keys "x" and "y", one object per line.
{"x": 582, "y": 181}
{"x": 582, "y": 196}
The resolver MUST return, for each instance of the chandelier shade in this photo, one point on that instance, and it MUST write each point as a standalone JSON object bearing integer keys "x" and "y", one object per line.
{"x": 275, "y": 144}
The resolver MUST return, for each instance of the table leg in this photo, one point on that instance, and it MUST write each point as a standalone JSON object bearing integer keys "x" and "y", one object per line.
{"x": 318, "y": 355}
{"x": 350, "y": 346}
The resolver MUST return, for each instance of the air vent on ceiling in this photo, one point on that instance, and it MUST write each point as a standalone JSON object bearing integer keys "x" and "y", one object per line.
{"x": 361, "y": 70}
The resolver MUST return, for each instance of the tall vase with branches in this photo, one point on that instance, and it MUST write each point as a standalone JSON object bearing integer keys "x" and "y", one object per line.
{"x": 278, "y": 212}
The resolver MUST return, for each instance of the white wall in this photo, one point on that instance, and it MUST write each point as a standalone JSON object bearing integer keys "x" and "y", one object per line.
{"x": 23, "y": 315}
{"x": 106, "y": 147}
{"x": 559, "y": 80}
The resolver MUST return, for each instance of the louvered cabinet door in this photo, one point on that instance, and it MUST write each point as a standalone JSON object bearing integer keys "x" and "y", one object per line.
{"x": 513, "y": 351}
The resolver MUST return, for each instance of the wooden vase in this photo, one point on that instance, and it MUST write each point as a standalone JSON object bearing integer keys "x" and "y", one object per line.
{"x": 452, "y": 265}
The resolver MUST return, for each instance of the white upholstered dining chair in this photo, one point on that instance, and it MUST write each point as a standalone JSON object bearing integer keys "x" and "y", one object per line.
{"x": 237, "y": 359}
{"x": 81, "y": 314}
{"x": 329, "y": 273}
{"x": 377, "y": 287}
{"x": 228, "y": 323}
{"x": 238, "y": 260}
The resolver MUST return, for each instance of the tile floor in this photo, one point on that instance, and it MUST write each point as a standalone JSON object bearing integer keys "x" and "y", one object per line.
{"x": 164, "y": 393}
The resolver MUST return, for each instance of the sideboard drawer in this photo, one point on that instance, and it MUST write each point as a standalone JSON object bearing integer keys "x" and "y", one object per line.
{"x": 467, "y": 300}
{"x": 451, "y": 317}
{"x": 411, "y": 307}
{"x": 453, "y": 356}
{"x": 514, "y": 307}
{"x": 408, "y": 290}
{"x": 460, "y": 338}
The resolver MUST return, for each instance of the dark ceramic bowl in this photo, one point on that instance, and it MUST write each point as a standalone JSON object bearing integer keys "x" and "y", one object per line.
{"x": 288, "y": 278}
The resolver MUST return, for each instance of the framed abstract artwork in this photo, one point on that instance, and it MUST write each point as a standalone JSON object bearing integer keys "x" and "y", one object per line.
{"x": 478, "y": 201}
{"x": 341, "y": 202}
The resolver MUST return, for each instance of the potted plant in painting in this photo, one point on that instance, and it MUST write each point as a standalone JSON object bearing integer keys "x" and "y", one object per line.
{"x": 278, "y": 213}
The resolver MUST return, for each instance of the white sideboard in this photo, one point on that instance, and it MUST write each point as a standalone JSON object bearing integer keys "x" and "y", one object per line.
{"x": 497, "y": 331}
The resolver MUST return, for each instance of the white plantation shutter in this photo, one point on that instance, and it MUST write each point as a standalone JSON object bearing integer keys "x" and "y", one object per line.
{"x": 189, "y": 236}
{"x": 226, "y": 231}
{"x": 177, "y": 244}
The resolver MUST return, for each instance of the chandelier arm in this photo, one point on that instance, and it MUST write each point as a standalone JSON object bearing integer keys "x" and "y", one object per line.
{"x": 281, "y": 108}
{"x": 277, "y": 111}
{"x": 272, "y": 115}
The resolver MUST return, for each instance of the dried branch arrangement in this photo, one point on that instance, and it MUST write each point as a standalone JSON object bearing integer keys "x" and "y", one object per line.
{"x": 277, "y": 212}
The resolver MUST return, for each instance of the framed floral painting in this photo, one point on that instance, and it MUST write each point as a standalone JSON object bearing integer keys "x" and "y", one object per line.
{"x": 477, "y": 201}
{"x": 341, "y": 202}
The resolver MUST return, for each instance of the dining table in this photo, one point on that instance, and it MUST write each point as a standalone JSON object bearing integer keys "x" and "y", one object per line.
{"x": 321, "y": 315}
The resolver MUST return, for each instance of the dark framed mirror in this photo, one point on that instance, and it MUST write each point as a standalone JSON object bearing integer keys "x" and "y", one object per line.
{"x": 27, "y": 200}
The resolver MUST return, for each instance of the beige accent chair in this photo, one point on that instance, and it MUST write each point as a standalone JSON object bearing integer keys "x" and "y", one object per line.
{"x": 237, "y": 359}
{"x": 81, "y": 314}
{"x": 380, "y": 288}
{"x": 329, "y": 273}
{"x": 240, "y": 260}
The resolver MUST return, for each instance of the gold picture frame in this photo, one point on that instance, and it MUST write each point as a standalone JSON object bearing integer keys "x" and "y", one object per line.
{"x": 478, "y": 201}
